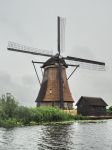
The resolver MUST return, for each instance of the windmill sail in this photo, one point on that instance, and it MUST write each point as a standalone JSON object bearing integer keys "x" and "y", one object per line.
{"x": 12, "y": 46}
{"x": 61, "y": 34}
{"x": 86, "y": 63}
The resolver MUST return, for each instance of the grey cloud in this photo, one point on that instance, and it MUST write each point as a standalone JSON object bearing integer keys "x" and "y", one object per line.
{"x": 5, "y": 78}
{"x": 83, "y": 52}
{"x": 91, "y": 83}
{"x": 29, "y": 80}
{"x": 25, "y": 93}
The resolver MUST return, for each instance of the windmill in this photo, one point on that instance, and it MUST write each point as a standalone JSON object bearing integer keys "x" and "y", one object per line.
{"x": 54, "y": 88}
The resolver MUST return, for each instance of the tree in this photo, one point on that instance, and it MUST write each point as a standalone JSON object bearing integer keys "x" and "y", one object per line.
{"x": 8, "y": 106}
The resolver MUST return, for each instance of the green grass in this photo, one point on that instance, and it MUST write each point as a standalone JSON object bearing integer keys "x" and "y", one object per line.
{"x": 12, "y": 114}
{"x": 38, "y": 115}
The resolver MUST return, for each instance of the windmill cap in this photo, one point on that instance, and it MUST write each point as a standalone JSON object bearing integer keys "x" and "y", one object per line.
{"x": 54, "y": 60}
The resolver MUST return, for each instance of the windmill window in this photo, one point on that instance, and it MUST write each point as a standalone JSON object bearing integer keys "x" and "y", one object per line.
{"x": 50, "y": 91}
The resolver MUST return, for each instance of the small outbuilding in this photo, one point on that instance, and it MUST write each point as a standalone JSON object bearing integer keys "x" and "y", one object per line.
{"x": 91, "y": 106}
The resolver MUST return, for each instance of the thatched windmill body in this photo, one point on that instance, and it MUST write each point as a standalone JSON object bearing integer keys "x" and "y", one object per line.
{"x": 54, "y": 88}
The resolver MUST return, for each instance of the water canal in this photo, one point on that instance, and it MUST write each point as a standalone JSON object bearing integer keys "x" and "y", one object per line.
{"x": 73, "y": 136}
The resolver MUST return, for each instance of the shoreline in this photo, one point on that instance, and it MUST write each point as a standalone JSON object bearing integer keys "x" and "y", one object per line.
{"x": 99, "y": 117}
{"x": 89, "y": 119}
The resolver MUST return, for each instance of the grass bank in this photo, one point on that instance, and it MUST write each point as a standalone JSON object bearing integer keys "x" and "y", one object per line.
{"x": 39, "y": 115}
{"x": 12, "y": 114}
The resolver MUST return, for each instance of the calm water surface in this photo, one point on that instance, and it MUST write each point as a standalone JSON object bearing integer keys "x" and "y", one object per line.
{"x": 74, "y": 136}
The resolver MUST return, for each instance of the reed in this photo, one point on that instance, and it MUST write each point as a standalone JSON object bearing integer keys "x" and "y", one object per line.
{"x": 12, "y": 114}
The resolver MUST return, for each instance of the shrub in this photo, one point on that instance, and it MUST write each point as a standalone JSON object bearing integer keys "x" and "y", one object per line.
{"x": 8, "y": 106}
{"x": 109, "y": 110}
{"x": 23, "y": 114}
{"x": 8, "y": 123}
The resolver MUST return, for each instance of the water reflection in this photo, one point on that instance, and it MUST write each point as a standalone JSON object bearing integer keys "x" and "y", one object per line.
{"x": 56, "y": 137}
{"x": 7, "y": 137}
{"x": 75, "y": 136}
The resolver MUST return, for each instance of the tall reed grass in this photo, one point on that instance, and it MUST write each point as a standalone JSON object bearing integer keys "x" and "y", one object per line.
{"x": 12, "y": 114}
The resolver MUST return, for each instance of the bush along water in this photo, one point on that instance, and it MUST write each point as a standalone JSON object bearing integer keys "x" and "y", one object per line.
{"x": 12, "y": 114}
{"x": 109, "y": 111}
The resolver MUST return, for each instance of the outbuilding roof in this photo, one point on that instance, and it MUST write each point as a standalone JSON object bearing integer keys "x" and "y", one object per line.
{"x": 94, "y": 101}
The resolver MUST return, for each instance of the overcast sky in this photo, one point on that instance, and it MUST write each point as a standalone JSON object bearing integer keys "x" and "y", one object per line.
{"x": 34, "y": 23}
